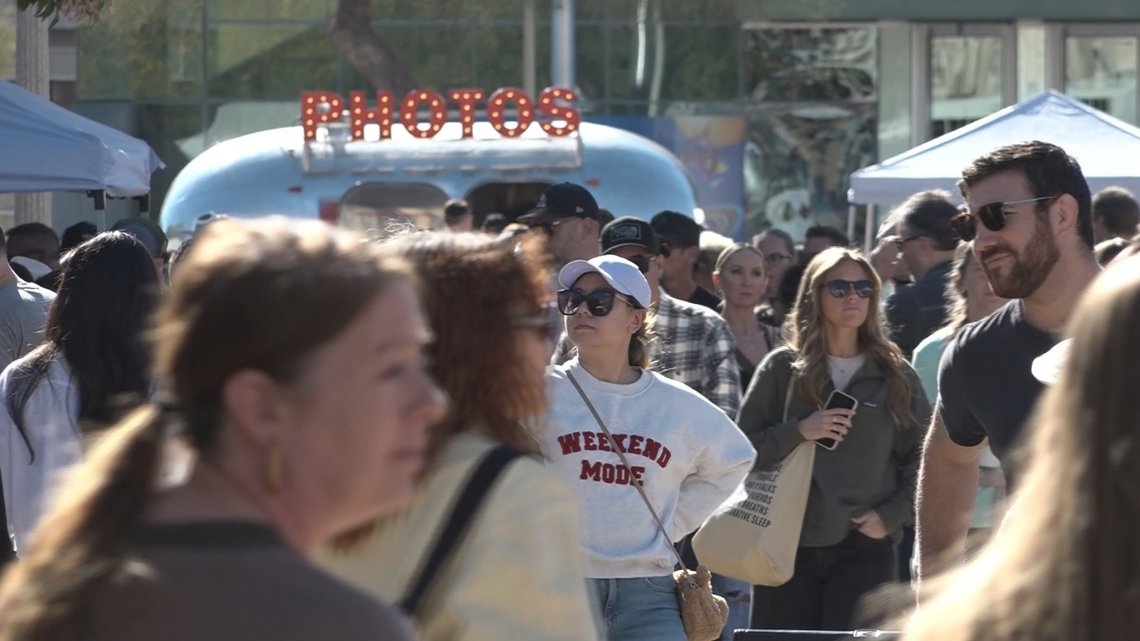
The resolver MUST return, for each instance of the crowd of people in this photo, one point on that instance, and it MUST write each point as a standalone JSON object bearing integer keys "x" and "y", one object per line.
{"x": 511, "y": 430}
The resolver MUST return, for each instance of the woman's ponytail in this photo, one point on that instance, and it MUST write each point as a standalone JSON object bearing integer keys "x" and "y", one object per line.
{"x": 83, "y": 534}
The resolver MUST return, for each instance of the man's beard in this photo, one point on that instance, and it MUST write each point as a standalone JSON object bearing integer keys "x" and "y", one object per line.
{"x": 1027, "y": 271}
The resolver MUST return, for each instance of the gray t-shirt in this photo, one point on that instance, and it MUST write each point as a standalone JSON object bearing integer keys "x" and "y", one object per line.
{"x": 231, "y": 581}
{"x": 23, "y": 310}
{"x": 985, "y": 386}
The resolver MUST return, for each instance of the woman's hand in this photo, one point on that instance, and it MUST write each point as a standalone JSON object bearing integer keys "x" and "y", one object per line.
{"x": 871, "y": 525}
{"x": 832, "y": 423}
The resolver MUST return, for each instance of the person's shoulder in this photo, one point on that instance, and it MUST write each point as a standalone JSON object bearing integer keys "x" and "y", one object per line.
{"x": 985, "y": 337}
{"x": 692, "y": 310}
{"x": 936, "y": 342}
{"x": 350, "y": 613}
{"x": 681, "y": 396}
{"x": 34, "y": 293}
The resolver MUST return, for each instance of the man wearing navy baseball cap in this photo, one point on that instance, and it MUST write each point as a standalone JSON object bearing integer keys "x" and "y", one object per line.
{"x": 569, "y": 216}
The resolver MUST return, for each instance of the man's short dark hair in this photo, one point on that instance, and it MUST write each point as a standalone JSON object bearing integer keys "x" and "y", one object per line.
{"x": 929, "y": 213}
{"x": 455, "y": 208}
{"x": 35, "y": 238}
{"x": 74, "y": 235}
{"x": 1118, "y": 209}
{"x": 789, "y": 242}
{"x": 605, "y": 217}
{"x": 831, "y": 233}
{"x": 1050, "y": 172}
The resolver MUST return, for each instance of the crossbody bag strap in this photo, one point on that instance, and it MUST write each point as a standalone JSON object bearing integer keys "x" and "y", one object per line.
{"x": 478, "y": 486}
{"x": 624, "y": 461}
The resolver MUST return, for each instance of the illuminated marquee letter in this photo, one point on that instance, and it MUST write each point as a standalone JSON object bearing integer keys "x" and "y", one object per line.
{"x": 319, "y": 107}
{"x": 554, "y": 102}
{"x": 409, "y": 113}
{"x": 361, "y": 115}
{"x": 496, "y": 105}
{"x": 466, "y": 99}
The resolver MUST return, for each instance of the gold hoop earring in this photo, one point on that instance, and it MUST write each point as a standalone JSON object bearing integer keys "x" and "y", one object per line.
{"x": 274, "y": 468}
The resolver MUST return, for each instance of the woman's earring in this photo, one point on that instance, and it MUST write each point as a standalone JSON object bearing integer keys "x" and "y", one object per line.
{"x": 274, "y": 468}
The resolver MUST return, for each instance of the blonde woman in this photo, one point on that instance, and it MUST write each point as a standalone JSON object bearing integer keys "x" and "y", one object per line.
{"x": 741, "y": 279}
{"x": 1064, "y": 565}
{"x": 862, "y": 491}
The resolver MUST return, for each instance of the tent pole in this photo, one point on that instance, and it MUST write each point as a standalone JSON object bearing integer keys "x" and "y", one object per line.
{"x": 868, "y": 229}
{"x": 851, "y": 220}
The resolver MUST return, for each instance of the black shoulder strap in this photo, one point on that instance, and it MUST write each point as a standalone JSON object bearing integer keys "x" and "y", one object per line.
{"x": 462, "y": 513}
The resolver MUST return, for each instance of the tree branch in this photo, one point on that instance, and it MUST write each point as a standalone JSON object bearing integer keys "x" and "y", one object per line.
{"x": 351, "y": 31}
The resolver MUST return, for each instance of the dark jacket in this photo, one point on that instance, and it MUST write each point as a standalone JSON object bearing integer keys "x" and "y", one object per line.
{"x": 875, "y": 467}
{"x": 915, "y": 311}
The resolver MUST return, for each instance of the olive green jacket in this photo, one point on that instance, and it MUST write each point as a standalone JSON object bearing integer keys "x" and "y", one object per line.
{"x": 874, "y": 468}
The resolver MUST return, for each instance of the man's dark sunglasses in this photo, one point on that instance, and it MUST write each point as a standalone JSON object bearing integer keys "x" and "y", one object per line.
{"x": 598, "y": 302}
{"x": 992, "y": 216}
{"x": 642, "y": 262}
{"x": 546, "y": 322}
{"x": 840, "y": 288}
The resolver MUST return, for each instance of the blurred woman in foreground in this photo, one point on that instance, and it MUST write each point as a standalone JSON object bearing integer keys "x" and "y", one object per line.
{"x": 516, "y": 573}
{"x": 292, "y": 356}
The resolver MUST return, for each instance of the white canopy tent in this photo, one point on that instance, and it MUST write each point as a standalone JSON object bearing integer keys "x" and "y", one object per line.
{"x": 1107, "y": 149}
{"x": 49, "y": 148}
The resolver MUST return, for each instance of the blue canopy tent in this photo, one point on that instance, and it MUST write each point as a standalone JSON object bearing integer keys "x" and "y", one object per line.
{"x": 49, "y": 148}
{"x": 1106, "y": 148}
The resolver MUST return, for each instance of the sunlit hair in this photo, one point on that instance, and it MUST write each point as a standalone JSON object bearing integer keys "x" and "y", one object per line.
{"x": 107, "y": 293}
{"x": 263, "y": 295}
{"x": 957, "y": 307}
{"x": 474, "y": 289}
{"x": 1064, "y": 564}
{"x": 804, "y": 332}
{"x": 733, "y": 250}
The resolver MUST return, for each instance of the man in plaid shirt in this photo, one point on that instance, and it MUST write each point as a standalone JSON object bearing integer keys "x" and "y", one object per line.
{"x": 693, "y": 344}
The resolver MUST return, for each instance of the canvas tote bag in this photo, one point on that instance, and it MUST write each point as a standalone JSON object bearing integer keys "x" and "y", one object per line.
{"x": 754, "y": 538}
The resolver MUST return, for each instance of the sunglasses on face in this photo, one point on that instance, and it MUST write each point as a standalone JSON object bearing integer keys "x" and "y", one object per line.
{"x": 840, "y": 288}
{"x": 776, "y": 259}
{"x": 547, "y": 228}
{"x": 598, "y": 302}
{"x": 992, "y": 215}
{"x": 642, "y": 262}
{"x": 665, "y": 247}
{"x": 545, "y": 322}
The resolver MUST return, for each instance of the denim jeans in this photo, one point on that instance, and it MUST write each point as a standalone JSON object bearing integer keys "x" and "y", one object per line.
{"x": 640, "y": 609}
{"x": 739, "y": 597}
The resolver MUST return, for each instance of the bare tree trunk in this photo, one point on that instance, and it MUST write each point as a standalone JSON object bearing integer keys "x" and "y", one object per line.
{"x": 351, "y": 31}
{"x": 32, "y": 74}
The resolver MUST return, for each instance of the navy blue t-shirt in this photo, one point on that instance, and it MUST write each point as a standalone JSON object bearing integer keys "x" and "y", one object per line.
{"x": 985, "y": 387}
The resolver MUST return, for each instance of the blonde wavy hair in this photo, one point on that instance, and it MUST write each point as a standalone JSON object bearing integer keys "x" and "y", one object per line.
{"x": 804, "y": 333}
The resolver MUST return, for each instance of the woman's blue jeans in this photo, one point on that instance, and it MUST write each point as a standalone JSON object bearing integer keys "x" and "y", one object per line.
{"x": 640, "y": 609}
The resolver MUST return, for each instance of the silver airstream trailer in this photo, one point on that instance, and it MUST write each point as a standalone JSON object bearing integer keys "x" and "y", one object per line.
{"x": 364, "y": 184}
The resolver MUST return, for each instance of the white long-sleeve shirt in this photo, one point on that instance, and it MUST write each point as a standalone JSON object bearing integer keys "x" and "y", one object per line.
{"x": 688, "y": 454}
{"x": 50, "y": 422}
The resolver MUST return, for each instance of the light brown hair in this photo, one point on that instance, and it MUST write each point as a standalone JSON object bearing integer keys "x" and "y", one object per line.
{"x": 804, "y": 333}
{"x": 1064, "y": 564}
{"x": 260, "y": 295}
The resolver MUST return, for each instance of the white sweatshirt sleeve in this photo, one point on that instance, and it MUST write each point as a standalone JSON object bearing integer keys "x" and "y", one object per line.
{"x": 720, "y": 467}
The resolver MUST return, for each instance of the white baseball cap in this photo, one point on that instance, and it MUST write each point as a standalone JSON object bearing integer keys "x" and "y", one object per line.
{"x": 618, "y": 272}
{"x": 1047, "y": 367}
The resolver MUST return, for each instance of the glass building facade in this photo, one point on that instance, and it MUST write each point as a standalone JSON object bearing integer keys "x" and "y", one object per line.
{"x": 825, "y": 86}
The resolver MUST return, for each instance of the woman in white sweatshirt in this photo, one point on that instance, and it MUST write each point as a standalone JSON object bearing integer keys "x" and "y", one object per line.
{"x": 688, "y": 456}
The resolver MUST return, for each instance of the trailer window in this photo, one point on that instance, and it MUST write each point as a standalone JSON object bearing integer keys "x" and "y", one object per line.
{"x": 378, "y": 207}
{"x": 510, "y": 199}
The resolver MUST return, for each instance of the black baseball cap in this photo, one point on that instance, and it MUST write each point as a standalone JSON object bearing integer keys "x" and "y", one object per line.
{"x": 628, "y": 230}
{"x": 564, "y": 200}
{"x": 677, "y": 228}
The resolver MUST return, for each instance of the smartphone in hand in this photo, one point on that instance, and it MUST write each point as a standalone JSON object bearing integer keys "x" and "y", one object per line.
{"x": 837, "y": 400}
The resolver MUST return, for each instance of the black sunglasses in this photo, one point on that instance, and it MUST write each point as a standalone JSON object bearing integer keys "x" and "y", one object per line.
{"x": 642, "y": 262}
{"x": 840, "y": 288}
{"x": 665, "y": 247}
{"x": 598, "y": 302}
{"x": 546, "y": 322}
{"x": 992, "y": 216}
